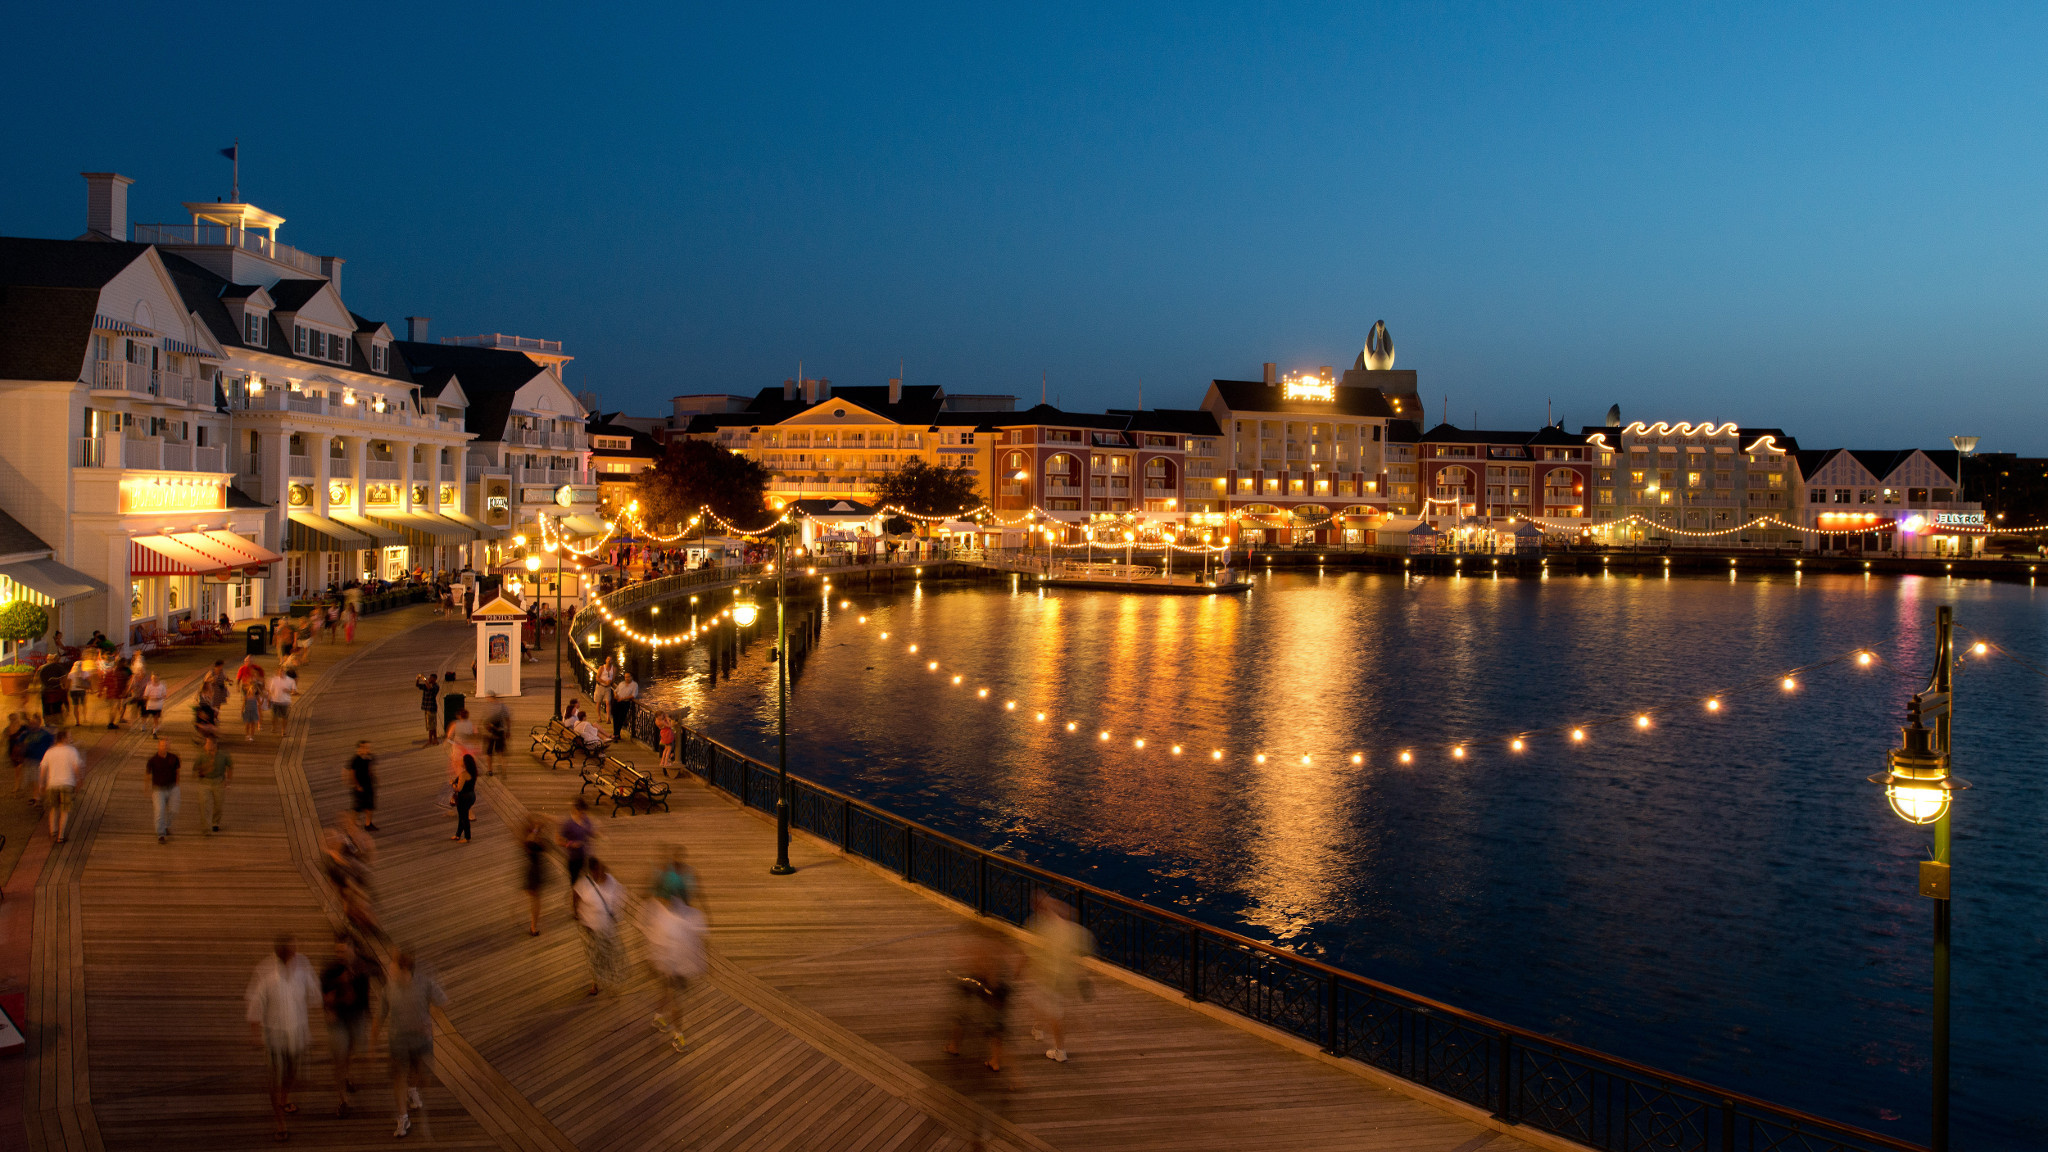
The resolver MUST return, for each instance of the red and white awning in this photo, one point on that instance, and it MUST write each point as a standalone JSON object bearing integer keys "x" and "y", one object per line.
{"x": 195, "y": 554}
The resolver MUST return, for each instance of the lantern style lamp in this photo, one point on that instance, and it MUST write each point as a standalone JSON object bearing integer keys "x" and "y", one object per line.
{"x": 744, "y": 613}
{"x": 1918, "y": 784}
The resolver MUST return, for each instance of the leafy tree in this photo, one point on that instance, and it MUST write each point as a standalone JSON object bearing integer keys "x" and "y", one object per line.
{"x": 928, "y": 489}
{"x": 691, "y": 474}
{"x": 21, "y": 622}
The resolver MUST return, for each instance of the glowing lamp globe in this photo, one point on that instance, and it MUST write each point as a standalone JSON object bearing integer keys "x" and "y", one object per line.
{"x": 533, "y": 563}
{"x": 744, "y": 613}
{"x": 1918, "y": 784}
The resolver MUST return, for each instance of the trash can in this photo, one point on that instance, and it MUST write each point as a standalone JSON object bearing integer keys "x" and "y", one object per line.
{"x": 259, "y": 639}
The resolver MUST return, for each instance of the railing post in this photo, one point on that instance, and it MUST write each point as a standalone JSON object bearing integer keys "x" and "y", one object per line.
{"x": 907, "y": 843}
{"x": 1195, "y": 964}
{"x": 846, "y": 826}
{"x": 1727, "y": 1125}
{"x": 981, "y": 883}
{"x": 1507, "y": 1056}
{"x": 1330, "y": 1013}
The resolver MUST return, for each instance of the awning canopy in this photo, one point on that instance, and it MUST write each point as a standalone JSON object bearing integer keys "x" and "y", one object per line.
{"x": 424, "y": 530}
{"x": 48, "y": 578}
{"x": 483, "y": 531}
{"x": 195, "y": 554}
{"x": 378, "y": 534}
{"x": 306, "y": 532}
{"x": 583, "y": 524}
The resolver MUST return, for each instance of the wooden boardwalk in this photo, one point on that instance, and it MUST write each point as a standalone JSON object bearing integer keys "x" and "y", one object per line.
{"x": 819, "y": 1028}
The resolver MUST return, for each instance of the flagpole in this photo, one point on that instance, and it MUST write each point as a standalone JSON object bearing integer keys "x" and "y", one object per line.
{"x": 236, "y": 194}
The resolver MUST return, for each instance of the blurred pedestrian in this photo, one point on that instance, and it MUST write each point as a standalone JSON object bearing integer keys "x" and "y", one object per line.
{"x": 252, "y": 706}
{"x": 409, "y": 1000}
{"x": 213, "y": 687}
{"x": 465, "y": 797}
{"x": 597, "y": 900}
{"x": 362, "y": 785}
{"x": 155, "y": 693}
{"x": 675, "y": 948}
{"x": 348, "y": 623}
{"x": 163, "y": 786}
{"x": 624, "y": 693}
{"x": 981, "y": 984}
{"x": 281, "y": 689}
{"x": 345, "y": 998}
{"x": 535, "y": 843}
{"x": 212, "y": 770}
{"x": 576, "y": 835}
{"x": 1057, "y": 969}
{"x": 61, "y": 766}
{"x": 78, "y": 682}
{"x": 497, "y": 728}
{"x": 429, "y": 684}
{"x": 277, "y": 1002}
{"x": 138, "y": 690}
{"x": 665, "y": 731}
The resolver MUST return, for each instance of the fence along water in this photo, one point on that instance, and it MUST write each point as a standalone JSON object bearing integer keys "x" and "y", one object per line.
{"x": 1521, "y": 1077}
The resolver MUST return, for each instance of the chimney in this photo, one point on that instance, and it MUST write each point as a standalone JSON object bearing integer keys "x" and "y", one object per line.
{"x": 810, "y": 390}
{"x": 1272, "y": 375}
{"x": 788, "y": 390}
{"x": 416, "y": 328}
{"x": 330, "y": 267}
{"x": 106, "y": 203}
{"x": 1328, "y": 372}
{"x": 895, "y": 390}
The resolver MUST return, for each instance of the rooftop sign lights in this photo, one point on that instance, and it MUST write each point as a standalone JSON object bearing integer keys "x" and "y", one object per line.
{"x": 172, "y": 494}
{"x": 1660, "y": 428}
{"x": 1304, "y": 386}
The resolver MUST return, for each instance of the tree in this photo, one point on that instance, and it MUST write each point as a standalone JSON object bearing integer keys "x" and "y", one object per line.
{"x": 21, "y": 622}
{"x": 692, "y": 474}
{"x": 928, "y": 489}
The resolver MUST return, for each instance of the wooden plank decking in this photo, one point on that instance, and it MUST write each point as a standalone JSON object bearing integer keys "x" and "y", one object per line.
{"x": 819, "y": 1027}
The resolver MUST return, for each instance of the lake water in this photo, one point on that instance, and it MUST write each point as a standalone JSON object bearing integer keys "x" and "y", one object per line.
{"x": 1721, "y": 894}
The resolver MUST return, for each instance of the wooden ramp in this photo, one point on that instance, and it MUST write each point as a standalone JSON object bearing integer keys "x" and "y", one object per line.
{"x": 820, "y": 1026}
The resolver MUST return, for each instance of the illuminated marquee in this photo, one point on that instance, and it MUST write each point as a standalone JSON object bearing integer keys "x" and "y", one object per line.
{"x": 1307, "y": 387}
{"x": 1959, "y": 519}
{"x": 173, "y": 494}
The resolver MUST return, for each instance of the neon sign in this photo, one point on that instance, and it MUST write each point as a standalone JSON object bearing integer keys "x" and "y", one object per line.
{"x": 1306, "y": 387}
{"x": 173, "y": 494}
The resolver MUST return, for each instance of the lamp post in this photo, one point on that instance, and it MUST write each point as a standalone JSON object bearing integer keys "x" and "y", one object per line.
{"x": 1964, "y": 446}
{"x": 1920, "y": 789}
{"x": 782, "y": 866}
{"x": 533, "y": 565}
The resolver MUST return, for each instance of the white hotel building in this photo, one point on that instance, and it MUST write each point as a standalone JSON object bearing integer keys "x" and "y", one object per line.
{"x": 199, "y": 426}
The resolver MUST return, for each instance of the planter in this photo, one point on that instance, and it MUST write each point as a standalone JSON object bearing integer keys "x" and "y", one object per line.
{"x": 17, "y": 683}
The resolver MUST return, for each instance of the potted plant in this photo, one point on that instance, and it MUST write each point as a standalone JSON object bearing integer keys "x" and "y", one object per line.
{"x": 20, "y": 622}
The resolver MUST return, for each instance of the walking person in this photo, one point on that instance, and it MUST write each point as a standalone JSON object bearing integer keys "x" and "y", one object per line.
{"x": 1056, "y": 968}
{"x": 362, "y": 785}
{"x": 982, "y": 988}
{"x": 277, "y": 1002}
{"x": 409, "y": 1000}
{"x": 348, "y": 624}
{"x": 624, "y": 692}
{"x": 465, "y": 797}
{"x": 155, "y": 693}
{"x": 61, "y": 766}
{"x": 674, "y": 930}
{"x": 213, "y": 687}
{"x": 282, "y": 688}
{"x": 163, "y": 786}
{"x": 345, "y": 999}
{"x": 137, "y": 678}
{"x": 212, "y": 770}
{"x": 665, "y": 731}
{"x": 78, "y": 682}
{"x": 497, "y": 728}
{"x": 429, "y": 684}
{"x": 535, "y": 843}
{"x": 576, "y": 835}
{"x": 597, "y": 900}
{"x": 252, "y": 707}
{"x": 451, "y": 703}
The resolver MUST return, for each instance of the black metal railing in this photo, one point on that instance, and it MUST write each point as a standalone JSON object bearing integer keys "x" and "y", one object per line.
{"x": 1521, "y": 1077}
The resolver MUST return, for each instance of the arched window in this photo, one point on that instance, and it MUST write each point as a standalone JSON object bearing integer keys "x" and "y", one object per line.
{"x": 1454, "y": 483}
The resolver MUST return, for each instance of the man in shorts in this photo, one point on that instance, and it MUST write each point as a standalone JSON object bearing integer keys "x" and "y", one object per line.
{"x": 277, "y": 1000}
{"x": 61, "y": 767}
{"x": 409, "y": 1016}
{"x": 281, "y": 689}
{"x": 345, "y": 997}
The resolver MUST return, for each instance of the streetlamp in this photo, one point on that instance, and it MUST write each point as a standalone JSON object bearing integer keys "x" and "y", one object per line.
{"x": 1964, "y": 446}
{"x": 781, "y": 866}
{"x": 1919, "y": 787}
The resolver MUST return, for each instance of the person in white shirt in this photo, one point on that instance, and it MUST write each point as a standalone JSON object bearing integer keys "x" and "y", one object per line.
{"x": 60, "y": 769}
{"x": 587, "y": 732}
{"x": 153, "y": 698}
{"x": 281, "y": 688}
{"x": 598, "y": 899}
{"x": 675, "y": 947}
{"x": 277, "y": 999}
{"x": 623, "y": 694}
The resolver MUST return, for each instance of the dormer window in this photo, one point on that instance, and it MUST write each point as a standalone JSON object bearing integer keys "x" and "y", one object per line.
{"x": 377, "y": 359}
{"x": 256, "y": 330}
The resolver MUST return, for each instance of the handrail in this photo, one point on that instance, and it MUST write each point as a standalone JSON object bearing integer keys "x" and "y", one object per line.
{"x": 1562, "y": 1101}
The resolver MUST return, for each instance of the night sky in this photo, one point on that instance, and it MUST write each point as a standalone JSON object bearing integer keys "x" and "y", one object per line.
{"x": 1824, "y": 218}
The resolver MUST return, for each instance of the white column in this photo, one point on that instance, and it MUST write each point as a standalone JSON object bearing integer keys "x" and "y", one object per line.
{"x": 277, "y": 472}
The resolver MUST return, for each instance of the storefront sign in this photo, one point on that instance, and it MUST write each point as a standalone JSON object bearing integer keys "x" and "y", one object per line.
{"x": 172, "y": 494}
{"x": 1308, "y": 388}
{"x": 301, "y": 495}
{"x": 380, "y": 494}
{"x": 337, "y": 493}
{"x": 1959, "y": 519}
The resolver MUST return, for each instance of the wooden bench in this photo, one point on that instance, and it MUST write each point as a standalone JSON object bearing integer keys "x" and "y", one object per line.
{"x": 542, "y": 733}
{"x": 628, "y": 786}
{"x": 558, "y": 748}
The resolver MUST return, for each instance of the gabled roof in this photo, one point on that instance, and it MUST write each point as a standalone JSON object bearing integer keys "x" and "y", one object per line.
{"x": 642, "y": 443}
{"x": 31, "y": 263}
{"x": 291, "y": 295}
{"x": 1813, "y": 460}
{"x": 1452, "y": 434}
{"x": 1179, "y": 421}
{"x": 1882, "y": 462}
{"x": 491, "y": 377}
{"x": 1257, "y": 396}
{"x": 1047, "y": 416}
{"x": 44, "y": 331}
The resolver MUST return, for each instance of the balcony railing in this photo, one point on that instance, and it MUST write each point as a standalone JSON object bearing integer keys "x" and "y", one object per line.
{"x": 222, "y": 236}
{"x": 500, "y": 340}
{"x": 447, "y": 472}
{"x": 383, "y": 470}
{"x": 121, "y": 376}
{"x": 213, "y": 458}
{"x": 174, "y": 458}
{"x": 298, "y": 465}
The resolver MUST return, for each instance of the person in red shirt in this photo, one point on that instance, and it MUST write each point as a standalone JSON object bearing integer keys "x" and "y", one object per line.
{"x": 250, "y": 670}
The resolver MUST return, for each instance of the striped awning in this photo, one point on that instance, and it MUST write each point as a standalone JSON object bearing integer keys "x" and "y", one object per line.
{"x": 56, "y": 582}
{"x": 182, "y": 348}
{"x": 483, "y": 531}
{"x": 425, "y": 530}
{"x": 105, "y": 323}
{"x": 305, "y": 532}
{"x": 195, "y": 554}
{"x": 378, "y": 534}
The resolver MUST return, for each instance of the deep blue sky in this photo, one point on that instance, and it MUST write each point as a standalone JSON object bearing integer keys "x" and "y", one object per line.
{"x": 1825, "y": 218}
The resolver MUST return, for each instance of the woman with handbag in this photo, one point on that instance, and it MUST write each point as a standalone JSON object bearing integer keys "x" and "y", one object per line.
{"x": 598, "y": 900}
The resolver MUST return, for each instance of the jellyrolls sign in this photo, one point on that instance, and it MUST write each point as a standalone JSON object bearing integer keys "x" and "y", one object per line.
{"x": 173, "y": 494}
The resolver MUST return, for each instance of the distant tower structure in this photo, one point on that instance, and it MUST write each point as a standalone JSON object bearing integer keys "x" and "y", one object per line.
{"x": 1614, "y": 416}
{"x": 1379, "y": 349}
